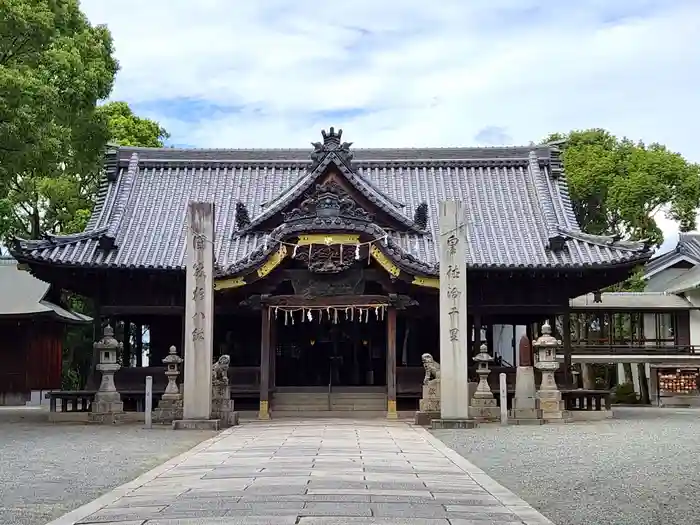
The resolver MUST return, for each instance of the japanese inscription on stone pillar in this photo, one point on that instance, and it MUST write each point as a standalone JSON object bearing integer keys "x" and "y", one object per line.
{"x": 199, "y": 308}
{"x": 454, "y": 385}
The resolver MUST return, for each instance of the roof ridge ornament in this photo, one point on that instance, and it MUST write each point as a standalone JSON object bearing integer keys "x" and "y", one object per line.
{"x": 331, "y": 144}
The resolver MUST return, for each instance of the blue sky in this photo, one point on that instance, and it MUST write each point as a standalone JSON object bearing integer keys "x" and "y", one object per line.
{"x": 229, "y": 73}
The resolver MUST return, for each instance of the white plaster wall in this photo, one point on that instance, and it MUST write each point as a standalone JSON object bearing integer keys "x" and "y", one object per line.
{"x": 694, "y": 298}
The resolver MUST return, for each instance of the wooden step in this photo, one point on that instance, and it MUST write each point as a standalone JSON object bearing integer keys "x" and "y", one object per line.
{"x": 361, "y": 414}
{"x": 341, "y": 402}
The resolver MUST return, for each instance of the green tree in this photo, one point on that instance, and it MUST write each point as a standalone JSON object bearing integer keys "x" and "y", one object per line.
{"x": 61, "y": 200}
{"x": 127, "y": 129}
{"x": 618, "y": 186}
{"x": 54, "y": 67}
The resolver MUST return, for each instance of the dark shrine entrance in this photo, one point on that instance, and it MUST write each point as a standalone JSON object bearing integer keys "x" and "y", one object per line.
{"x": 334, "y": 347}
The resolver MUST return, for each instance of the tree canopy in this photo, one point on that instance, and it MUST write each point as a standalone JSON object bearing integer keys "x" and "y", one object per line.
{"x": 127, "y": 129}
{"x": 54, "y": 69}
{"x": 618, "y": 186}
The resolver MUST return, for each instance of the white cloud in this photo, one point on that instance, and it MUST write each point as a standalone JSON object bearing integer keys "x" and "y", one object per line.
{"x": 433, "y": 73}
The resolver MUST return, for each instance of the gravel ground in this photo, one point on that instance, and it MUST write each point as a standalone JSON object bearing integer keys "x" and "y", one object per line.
{"x": 641, "y": 468}
{"x": 49, "y": 469}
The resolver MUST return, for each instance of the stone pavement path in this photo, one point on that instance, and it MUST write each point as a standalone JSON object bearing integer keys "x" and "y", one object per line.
{"x": 322, "y": 472}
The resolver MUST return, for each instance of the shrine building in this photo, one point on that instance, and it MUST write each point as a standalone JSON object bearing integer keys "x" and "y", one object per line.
{"x": 326, "y": 260}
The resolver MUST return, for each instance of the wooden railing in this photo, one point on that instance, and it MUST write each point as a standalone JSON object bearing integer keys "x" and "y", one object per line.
{"x": 638, "y": 349}
{"x": 131, "y": 385}
{"x": 575, "y": 400}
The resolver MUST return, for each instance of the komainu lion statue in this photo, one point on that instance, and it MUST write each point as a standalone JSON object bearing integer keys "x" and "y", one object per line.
{"x": 219, "y": 372}
{"x": 432, "y": 368}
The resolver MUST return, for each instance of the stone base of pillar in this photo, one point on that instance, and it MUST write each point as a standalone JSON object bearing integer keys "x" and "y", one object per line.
{"x": 429, "y": 404}
{"x": 525, "y": 412}
{"x": 453, "y": 423}
{"x": 391, "y": 410}
{"x": 169, "y": 409}
{"x": 484, "y": 408}
{"x": 525, "y": 416}
{"x": 106, "y": 412}
{"x": 552, "y": 407}
{"x": 222, "y": 410}
{"x": 264, "y": 412}
{"x": 424, "y": 418}
{"x": 197, "y": 424}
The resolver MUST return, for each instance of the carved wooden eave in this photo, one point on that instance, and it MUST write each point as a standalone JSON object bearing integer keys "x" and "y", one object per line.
{"x": 335, "y": 236}
{"x": 329, "y": 233}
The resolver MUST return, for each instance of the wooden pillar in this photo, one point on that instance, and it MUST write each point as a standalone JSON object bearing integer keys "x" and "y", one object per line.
{"x": 477, "y": 334}
{"x": 96, "y": 336}
{"x": 273, "y": 354}
{"x": 391, "y": 363}
{"x": 126, "y": 351}
{"x": 264, "y": 412}
{"x": 566, "y": 342}
{"x": 139, "y": 344}
{"x": 97, "y": 321}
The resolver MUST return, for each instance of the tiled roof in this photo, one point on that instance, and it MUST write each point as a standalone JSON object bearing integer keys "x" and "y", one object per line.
{"x": 630, "y": 301}
{"x": 688, "y": 247}
{"x": 517, "y": 202}
{"x": 689, "y": 280}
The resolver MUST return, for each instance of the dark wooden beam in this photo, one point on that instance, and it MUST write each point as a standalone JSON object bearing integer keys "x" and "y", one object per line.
{"x": 340, "y": 300}
{"x": 142, "y": 310}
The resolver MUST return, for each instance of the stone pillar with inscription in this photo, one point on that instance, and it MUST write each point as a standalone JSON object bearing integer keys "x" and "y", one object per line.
{"x": 454, "y": 379}
{"x": 199, "y": 319}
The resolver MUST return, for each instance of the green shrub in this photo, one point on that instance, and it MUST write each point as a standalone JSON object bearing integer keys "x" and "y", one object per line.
{"x": 70, "y": 380}
{"x": 625, "y": 394}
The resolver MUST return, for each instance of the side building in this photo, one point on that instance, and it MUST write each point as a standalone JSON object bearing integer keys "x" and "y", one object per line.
{"x": 32, "y": 324}
{"x": 327, "y": 259}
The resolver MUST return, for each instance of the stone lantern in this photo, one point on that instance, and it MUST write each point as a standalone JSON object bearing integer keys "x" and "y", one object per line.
{"x": 170, "y": 404}
{"x": 107, "y": 407}
{"x": 549, "y": 396}
{"x": 483, "y": 404}
{"x": 172, "y": 364}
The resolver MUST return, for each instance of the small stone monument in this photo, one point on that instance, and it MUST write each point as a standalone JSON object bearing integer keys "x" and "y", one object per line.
{"x": 483, "y": 404}
{"x": 170, "y": 405}
{"x": 549, "y": 396}
{"x": 525, "y": 411}
{"x": 429, "y": 404}
{"x": 107, "y": 407}
{"x": 221, "y": 402}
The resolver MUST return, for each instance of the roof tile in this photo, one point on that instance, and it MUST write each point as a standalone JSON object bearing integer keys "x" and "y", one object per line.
{"x": 514, "y": 205}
